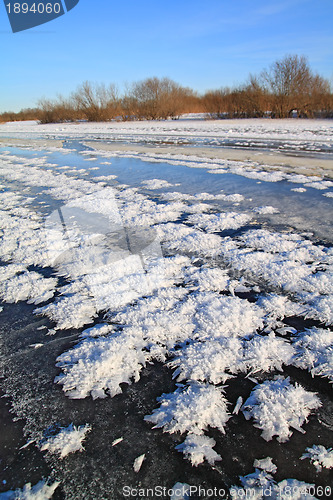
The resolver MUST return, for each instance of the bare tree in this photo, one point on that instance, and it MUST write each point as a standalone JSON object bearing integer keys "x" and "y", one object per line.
{"x": 96, "y": 101}
{"x": 243, "y": 102}
{"x": 59, "y": 110}
{"x": 215, "y": 102}
{"x": 292, "y": 84}
{"x": 255, "y": 98}
{"x": 147, "y": 95}
{"x": 128, "y": 107}
{"x": 46, "y": 111}
{"x": 158, "y": 98}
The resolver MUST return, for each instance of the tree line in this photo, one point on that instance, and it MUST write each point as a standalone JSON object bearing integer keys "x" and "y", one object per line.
{"x": 287, "y": 88}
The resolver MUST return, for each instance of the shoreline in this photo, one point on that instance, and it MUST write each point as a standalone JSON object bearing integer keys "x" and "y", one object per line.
{"x": 12, "y": 141}
{"x": 267, "y": 161}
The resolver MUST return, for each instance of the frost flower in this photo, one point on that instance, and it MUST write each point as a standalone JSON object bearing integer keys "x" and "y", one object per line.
{"x": 277, "y": 406}
{"x": 319, "y": 456}
{"x": 198, "y": 448}
{"x": 68, "y": 440}
{"x": 191, "y": 409}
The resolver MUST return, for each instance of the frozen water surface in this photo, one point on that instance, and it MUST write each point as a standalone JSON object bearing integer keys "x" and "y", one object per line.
{"x": 149, "y": 306}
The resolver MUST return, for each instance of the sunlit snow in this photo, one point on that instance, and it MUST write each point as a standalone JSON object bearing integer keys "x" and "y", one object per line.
{"x": 278, "y": 407}
{"x": 68, "y": 440}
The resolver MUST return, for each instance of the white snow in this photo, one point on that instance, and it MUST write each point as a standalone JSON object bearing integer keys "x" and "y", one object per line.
{"x": 180, "y": 491}
{"x": 319, "y": 456}
{"x": 276, "y": 307}
{"x": 156, "y": 184}
{"x": 205, "y": 315}
{"x": 117, "y": 441}
{"x": 218, "y": 222}
{"x": 191, "y": 409}
{"x": 208, "y": 279}
{"x": 99, "y": 365}
{"x": 238, "y": 405}
{"x": 260, "y": 485}
{"x": 40, "y": 491}
{"x": 300, "y": 490}
{"x": 265, "y": 464}
{"x": 214, "y": 361}
{"x": 267, "y": 353}
{"x": 314, "y": 352}
{"x": 218, "y": 360}
{"x": 29, "y": 286}
{"x": 297, "y": 130}
{"x": 182, "y": 238}
{"x": 72, "y": 311}
{"x": 320, "y": 308}
{"x": 199, "y": 448}
{"x": 265, "y": 210}
{"x": 97, "y": 330}
{"x": 198, "y": 131}
{"x": 321, "y": 185}
{"x": 138, "y": 462}
{"x": 277, "y": 406}
{"x": 255, "y": 483}
{"x": 68, "y": 440}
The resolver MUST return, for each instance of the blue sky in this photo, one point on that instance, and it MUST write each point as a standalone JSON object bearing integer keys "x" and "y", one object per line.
{"x": 202, "y": 44}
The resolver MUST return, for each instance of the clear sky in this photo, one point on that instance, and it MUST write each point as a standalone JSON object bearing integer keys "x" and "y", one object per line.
{"x": 203, "y": 44}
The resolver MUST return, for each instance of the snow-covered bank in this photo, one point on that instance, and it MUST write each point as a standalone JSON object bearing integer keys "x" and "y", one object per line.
{"x": 293, "y": 146}
{"x": 317, "y": 131}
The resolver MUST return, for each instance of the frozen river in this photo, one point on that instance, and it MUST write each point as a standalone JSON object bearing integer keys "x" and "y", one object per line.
{"x": 176, "y": 310}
